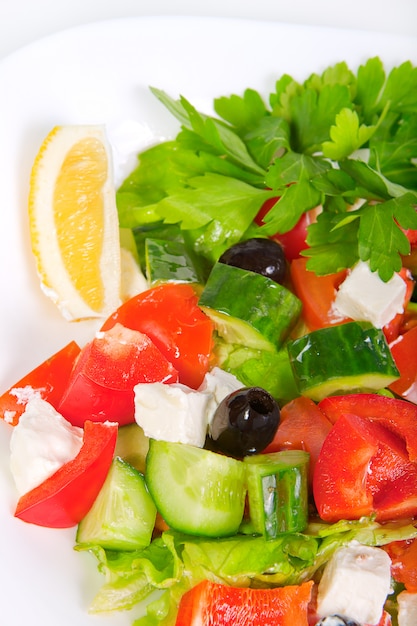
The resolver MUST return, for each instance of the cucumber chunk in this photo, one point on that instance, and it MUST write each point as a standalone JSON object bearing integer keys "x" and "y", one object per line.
{"x": 123, "y": 514}
{"x": 277, "y": 492}
{"x": 195, "y": 490}
{"x": 132, "y": 446}
{"x": 248, "y": 308}
{"x": 342, "y": 359}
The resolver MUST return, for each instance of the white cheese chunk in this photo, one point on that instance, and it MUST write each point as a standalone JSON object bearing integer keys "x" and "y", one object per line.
{"x": 172, "y": 412}
{"x": 355, "y": 583}
{"x": 363, "y": 296}
{"x": 40, "y": 444}
{"x": 219, "y": 384}
{"x": 407, "y": 608}
{"x": 177, "y": 413}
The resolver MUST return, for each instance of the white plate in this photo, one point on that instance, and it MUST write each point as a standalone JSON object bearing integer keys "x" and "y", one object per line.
{"x": 100, "y": 73}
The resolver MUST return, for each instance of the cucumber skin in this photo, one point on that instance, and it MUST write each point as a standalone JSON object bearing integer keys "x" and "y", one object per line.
{"x": 346, "y": 358}
{"x": 278, "y": 492}
{"x": 169, "y": 261}
{"x": 254, "y": 310}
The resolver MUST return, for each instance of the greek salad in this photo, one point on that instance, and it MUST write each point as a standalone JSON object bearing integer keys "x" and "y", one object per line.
{"x": 237, "y": 443}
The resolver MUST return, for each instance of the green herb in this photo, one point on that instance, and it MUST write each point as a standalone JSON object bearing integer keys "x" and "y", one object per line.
{"x": 341, "y": 140}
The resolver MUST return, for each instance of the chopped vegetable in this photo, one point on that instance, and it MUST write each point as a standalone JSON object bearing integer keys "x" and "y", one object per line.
{"x": 48, "y": 381}
{"x": 277, "y": 492}
{"x": 101, "y": 384}
{"x": 196, "y": 491}
{"x": 210, "y": 602}
{"x": 169, "y": 315}
{"x": 123, "y": 514}
{"x": 63, "y": 500}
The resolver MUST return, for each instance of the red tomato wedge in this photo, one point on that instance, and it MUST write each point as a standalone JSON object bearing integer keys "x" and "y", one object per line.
{"x": 404, "y": 351}
{"x": 403, "y": 555}
{"x": 170, "y": 316}
{"x": 47, "y": 380}
{"x": 363, "y": 469}
{"x": 397, "y": 415}
{"x": 303, "y": 426}
{"x": 214, "y": 604}
{"x": 101, "y": 385}
{"x": 317, "y": 294}
{"x": 392, "y": 330}
{"x": 64, "y": 498}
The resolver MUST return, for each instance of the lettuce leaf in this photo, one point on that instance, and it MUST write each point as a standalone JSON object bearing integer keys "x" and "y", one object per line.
{"x": 158, "y": 575}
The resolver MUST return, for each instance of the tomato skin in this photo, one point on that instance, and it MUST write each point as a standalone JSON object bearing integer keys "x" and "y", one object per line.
{"x": 363, "y": 469}
{"x": 212, "y": 603}
{"x": 303, "y": 426}
{"x": 393, "y": 328}
{"x": 101, "y": 385}
{"x": 317, "y": 294}
{"x": 170, "y": 316}
{"x": 47, "y": 380}
{"x": 64, "y": 498}
{"x": 295, "y": 240}
{"x": 404, "y": 351}
{"x": 403, "y": 555}
{"x": 397, "y": 415}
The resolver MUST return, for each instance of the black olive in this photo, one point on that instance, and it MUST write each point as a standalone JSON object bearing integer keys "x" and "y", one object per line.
{"x": 337, "y": 620}
{"x": 260, "y": 255}
{"x": 244, "y": 423}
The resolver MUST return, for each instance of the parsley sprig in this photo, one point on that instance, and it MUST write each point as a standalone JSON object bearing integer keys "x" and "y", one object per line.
{"x": 341, "y": 140}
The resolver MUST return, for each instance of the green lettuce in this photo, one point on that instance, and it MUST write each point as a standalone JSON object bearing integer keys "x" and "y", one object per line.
{"x": 161, "y": 573}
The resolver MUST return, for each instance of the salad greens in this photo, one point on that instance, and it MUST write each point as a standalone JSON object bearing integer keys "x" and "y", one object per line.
{"x": 348, "y": 140}
{"x": 174, "y": 562}
{"x": 342, "y": 141}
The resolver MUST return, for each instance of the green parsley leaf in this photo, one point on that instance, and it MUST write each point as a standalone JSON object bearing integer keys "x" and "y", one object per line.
{"x": 294, "y": 201}
{"x": 381, "y": 240}
{"x": 244, "y": 113}
{"x": 216, "y": 134}
{"x": 340, "y": 140}
{"x": 346, "y": 135}
{"x": 333, "y": 241}
{"x": 371, "y": 79}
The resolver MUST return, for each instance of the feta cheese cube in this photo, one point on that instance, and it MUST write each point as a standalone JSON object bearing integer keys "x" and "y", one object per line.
{"x": 219, "y": 384}
{"x": 355, "y": 583}
{"x": 363, "y": 296}
{"x": 407, "y": 608}
{"x": 172, "y": 412}
{"x": 40, "y": 444}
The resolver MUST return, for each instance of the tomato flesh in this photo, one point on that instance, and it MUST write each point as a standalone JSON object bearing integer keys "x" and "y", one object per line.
{"x": 169, "y": 315}
{"x": 47, "y": 380}
{"x": 317, "y": 294}
{"x": 212, "y": 603}
{"x": 404, "y": 351}
{"x": 403, "y": 555}
{"x": 64, "y": 498}
{"x": 101, "y": 386}
{"x": 303, "y": 426}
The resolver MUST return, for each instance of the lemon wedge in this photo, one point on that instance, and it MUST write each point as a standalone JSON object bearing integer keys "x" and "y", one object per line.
{"x": 73, "y": 222}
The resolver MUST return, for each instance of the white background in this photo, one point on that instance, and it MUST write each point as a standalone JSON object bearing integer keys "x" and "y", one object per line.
{"x": 24, "y": 21}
